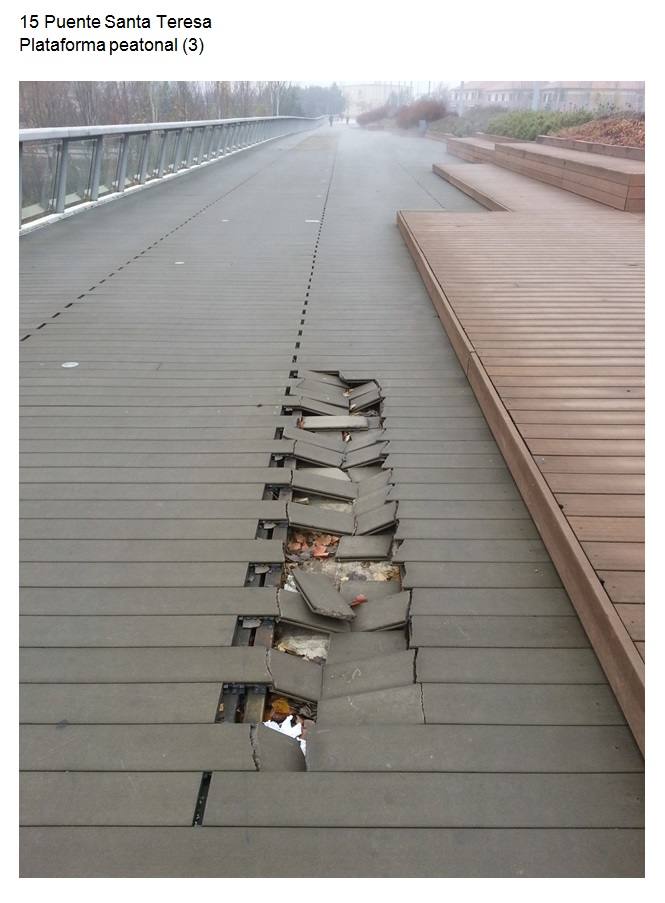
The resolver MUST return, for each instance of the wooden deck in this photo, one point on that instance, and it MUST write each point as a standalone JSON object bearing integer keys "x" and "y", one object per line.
{"x": 484, "y": 741}
{"x": 545, "y": 312}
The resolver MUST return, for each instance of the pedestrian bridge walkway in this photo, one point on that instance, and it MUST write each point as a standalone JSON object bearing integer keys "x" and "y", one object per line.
{"x": 200, "y": 362}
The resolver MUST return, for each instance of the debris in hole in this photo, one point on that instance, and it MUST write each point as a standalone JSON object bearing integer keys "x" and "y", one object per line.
{"x": 358, "y": 600}
{"x": 308, "y": 644}
{"x": 342, "y": 572}
{"x": 368, "y": 571}
{"x": 290, "y": 718}
{"x": 305, "y": 545}
{"x": 290, "y": 584}
{"x": 328, "y": 505}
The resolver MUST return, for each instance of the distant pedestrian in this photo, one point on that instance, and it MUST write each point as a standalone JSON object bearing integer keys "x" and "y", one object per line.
{"x": 347, "y": 120}
{"x": 330, "y": 119}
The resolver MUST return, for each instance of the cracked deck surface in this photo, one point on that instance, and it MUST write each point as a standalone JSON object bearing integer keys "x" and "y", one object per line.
{"x": 493, "y": 748}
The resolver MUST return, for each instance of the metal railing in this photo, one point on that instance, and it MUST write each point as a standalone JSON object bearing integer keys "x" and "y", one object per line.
{"x": 61, "y": 169}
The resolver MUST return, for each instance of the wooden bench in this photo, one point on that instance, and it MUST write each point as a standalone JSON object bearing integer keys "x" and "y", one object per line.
{"x": 614, "y": 181}
{"x": 475, "y": 150}
{"x": 593, "y": 147}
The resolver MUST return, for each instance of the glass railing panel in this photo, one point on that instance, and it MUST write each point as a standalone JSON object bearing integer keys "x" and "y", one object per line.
{"x": 79, "y": 164}
{"x": 108, "y": 174}
{"x": 134, "y": 150}
{"x": 39, "y": 166}
{"x": 154, "y": 146}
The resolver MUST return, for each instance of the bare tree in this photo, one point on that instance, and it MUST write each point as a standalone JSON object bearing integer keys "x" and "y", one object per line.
{"x": 275, "y": 91}
{"x": 75, "y": 103}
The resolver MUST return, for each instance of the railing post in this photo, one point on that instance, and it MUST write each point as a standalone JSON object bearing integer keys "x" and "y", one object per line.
{"x": 201, "y": 144}
{"x": 229, "y": 142}
{"x": 96, "y": 168}
{"x": 223, "y": 141}
{"x": 182, "y": 148}
{"x": 61, "y": 184}
{"x": 162, "y": 154}
{"x": 219, "y": 149}
{"x": 20, "y": 183}
{"x": 122, "y": 162}
{"x": 206, "y": 143}
{"x": 189, "y": 151}
{"x": 213, "y": 143}
{"x": 176, "y": 150}
{"x": 145, "y": 153}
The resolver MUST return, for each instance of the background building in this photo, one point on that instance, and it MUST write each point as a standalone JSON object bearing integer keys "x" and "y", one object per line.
{"x": 549, "y": 95}
{"x": 366, "y": 96}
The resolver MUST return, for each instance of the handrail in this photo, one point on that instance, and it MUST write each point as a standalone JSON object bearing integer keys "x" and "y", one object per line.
{"x": 91, "y": 131}
{"x": 67, "y": 170}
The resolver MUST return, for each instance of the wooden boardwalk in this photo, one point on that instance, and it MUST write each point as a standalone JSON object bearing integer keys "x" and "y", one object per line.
{"x": 484, "y": 740}
{"x": 545, "y": 312}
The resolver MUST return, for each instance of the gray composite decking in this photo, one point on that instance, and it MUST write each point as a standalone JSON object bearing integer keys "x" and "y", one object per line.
{"x": 492, "y": 746}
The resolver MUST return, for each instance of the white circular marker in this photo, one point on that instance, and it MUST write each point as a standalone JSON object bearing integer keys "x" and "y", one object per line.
{"x": 178, "y": 263}
{"x": 70, "y": 364}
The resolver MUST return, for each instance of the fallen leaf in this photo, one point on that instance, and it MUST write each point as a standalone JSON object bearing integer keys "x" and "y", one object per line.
{"x": 358, "y": 600}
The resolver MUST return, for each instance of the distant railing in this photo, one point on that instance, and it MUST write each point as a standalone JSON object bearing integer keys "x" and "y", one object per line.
{"x": 65, "y": 168}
